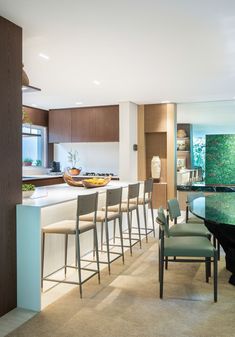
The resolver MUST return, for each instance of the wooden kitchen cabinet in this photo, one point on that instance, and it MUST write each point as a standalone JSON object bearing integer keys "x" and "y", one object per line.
{"x": 82, "y": 127}
{"x": 106, "y": 124}
{"x": 60, "y": 126}
{"x": 91, "y": 124}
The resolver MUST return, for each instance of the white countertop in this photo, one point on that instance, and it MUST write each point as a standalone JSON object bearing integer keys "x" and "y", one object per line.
{"x": 56, "y": 194}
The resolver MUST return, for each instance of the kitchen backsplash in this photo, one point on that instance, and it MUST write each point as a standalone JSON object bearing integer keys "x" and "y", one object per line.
{"x": 93, "y": 157}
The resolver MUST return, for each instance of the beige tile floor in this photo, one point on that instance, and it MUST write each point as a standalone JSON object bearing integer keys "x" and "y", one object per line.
{"x": 127, "y": 303}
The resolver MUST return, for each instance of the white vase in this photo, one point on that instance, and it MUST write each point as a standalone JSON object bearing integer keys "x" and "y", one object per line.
{"x": 156, "y": 167}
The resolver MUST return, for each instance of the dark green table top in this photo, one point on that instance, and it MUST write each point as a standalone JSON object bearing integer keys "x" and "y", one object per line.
{"x": 218, "y": 208}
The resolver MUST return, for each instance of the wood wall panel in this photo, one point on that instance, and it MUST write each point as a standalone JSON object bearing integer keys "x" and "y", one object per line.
{"x": 156, "y": 145}
{"x": 155, "y": 118}
{"x": 160, "y": 195}
{"x": 10, "y": 152}
{"x": 171, "y": 151}
{"x": 37, "y": 116}
{"x": 141, "y": 144}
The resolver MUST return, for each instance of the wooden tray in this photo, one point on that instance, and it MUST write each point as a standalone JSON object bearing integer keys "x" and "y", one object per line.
{"x": 72, "y": 181}
{"x": 88, "y": 184}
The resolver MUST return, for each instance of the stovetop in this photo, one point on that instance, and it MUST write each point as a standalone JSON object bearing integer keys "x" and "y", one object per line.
{"x": 98, "y": 174}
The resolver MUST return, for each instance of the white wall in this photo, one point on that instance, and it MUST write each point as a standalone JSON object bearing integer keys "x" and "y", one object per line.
{"x": 94, "y": 157}
{"x": 127, "y": 138}
{"x": 209, "y": 117}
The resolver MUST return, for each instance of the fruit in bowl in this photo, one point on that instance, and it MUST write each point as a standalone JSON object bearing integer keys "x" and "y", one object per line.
{"x": 28, "y": 190}
{"x": 96, "y": 182}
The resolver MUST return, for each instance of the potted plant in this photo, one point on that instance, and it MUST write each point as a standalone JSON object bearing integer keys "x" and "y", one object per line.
{"x": 73, "y": 159}
{"x": 28, "y": 162}
{"x": 28, "y": 190}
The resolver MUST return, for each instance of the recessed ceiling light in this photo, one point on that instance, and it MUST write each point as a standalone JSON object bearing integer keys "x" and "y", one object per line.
{"x": 44, "y": 56}
{"x": 165, "y": 102}
{"x": 34, "y": 105}
{"x": 78, "y": 103}
{"x": 96, "y": 82}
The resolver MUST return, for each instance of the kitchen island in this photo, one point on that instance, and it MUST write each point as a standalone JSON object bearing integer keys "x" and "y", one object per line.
{"x": 48, "y": 205}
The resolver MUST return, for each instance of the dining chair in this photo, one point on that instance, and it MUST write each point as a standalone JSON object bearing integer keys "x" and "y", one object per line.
{"x": 190, "y": 197}
{"x": 185, "y": 247}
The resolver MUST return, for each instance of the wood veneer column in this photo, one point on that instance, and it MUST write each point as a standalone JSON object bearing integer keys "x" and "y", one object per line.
{"x": 10, "y": 154}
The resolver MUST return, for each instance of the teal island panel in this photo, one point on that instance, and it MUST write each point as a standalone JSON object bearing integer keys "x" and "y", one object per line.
{"x": 220, "y": 159}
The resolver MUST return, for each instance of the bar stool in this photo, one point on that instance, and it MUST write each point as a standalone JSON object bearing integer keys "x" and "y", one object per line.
{"x": 85, "y": 204}
{"x": 129, "y": 207}
{"x": 113, "y": 198}
{"x": 146, "y": 200}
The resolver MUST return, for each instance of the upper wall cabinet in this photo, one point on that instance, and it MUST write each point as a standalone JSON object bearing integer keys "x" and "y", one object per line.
{"x": 60, "y": 126}
{"x": 93, "y": 124}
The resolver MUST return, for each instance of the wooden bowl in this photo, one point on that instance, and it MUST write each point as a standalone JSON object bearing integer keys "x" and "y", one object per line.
{"x": 89, "y": 183}
{"x": 72, "y": 181}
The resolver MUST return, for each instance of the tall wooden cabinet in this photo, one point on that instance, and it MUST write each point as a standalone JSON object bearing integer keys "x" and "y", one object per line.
{"x": 11, "y": 156}
{"x": 92, "y": 124}
{"x": 157, "y": 137}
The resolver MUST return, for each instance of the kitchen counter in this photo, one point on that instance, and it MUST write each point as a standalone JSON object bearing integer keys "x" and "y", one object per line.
{"x": 52, "y": 179}
{"x": 57, "y": 194}
{"x": 48, "y": 205}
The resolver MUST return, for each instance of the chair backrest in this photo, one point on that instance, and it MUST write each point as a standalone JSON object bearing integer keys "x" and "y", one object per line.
{"x": 162, "y": 221}
{"x": 193, "y": 196}
{"x": 114, "y": 197}
{"x": 174, "y": 209}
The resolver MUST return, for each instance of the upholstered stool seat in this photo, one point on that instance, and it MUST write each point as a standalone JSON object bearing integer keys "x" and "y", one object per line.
{"x": 68, "y": 227}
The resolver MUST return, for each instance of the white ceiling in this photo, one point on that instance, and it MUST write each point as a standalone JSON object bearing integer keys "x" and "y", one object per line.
{"x": 145, "y": 51}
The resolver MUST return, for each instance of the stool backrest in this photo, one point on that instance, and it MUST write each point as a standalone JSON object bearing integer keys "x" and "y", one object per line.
{"x": 148, "y": 189}
{"x": 87, "y": 204}
{"x": 174, "y": 209}
{"x": 133, "y": 190}
{"x": 114, "y": 197}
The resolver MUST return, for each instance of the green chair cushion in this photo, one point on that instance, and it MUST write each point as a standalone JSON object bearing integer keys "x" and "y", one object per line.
{"x": 189, "y": 229}
{"x": 188, "y": 246}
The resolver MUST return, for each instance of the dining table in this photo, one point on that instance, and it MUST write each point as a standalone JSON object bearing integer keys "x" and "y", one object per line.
{"x": 218, "y": 212}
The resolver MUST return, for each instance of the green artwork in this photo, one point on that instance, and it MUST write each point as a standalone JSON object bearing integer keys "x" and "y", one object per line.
{"x": 220, "y": 159}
